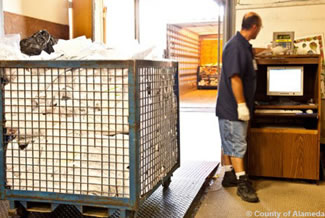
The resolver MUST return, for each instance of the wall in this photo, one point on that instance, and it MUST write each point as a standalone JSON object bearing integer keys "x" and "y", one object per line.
{"x": 1, "y": 20}
{"x": 27, "y": 26}
{"x": 209, "y": 49}
{"x": 55, "y": 11}
{"x": 302, "y": 18}
{"x": 183, "y": 46}
{"x": 275, "y": 3}
{"x": 27, "y": 17}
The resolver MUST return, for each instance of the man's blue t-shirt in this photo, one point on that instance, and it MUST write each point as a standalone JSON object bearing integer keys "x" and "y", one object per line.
{"x": 237, "y": 58}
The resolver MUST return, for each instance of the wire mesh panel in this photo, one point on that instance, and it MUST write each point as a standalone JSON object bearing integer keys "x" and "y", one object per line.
{"x": 159, "y": 151}
{"x": 106, "y": 130}
{"x": 66, "y": 130}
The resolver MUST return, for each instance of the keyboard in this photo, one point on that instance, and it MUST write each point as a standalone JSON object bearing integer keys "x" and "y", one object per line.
{"x": 277, "y": 111}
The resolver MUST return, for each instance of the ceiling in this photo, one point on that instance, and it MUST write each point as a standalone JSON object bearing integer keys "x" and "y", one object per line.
{"x": 202, "y": 28}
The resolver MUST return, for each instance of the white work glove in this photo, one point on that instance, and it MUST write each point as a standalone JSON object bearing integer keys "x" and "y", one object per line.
{"x": 243, "y": 112}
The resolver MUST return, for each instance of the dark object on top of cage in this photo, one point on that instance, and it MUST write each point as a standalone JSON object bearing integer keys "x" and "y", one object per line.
{"x": 39, "y": 41}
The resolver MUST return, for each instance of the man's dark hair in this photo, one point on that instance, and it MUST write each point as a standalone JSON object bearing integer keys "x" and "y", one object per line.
{"x": 249, "y": 21}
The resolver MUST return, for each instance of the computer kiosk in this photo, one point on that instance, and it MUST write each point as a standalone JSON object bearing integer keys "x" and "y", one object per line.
{"x": 284, "y": 133}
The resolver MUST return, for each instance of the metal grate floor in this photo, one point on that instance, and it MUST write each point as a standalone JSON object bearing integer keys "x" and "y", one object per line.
{"x": 173, "y": 202}
{"x": 185, "y": 186}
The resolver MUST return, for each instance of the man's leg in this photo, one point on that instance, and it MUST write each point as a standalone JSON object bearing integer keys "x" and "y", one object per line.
{"x": 233, "y": 134}
{"x": 226, "y": 160}
{"x": 229, "y": 178}
{"x": 244, "y": 189}
{"x": 238, "y": 164}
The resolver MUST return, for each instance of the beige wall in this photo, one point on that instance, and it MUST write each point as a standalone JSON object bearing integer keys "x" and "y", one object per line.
{"x": 276, "y": 3}
{"x": 50, "y": 10}
{"x": 1, "y": 20}
{"x": 303, "y": 19}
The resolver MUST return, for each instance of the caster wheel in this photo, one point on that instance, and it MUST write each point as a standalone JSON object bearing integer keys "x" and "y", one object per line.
{"x": 131, "y": 214}
{"x": 19, "y": 212}
{"x": 166, "y": 183}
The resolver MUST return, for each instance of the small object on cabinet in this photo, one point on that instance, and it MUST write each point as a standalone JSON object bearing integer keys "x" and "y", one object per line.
{"x": 284, "y": 40}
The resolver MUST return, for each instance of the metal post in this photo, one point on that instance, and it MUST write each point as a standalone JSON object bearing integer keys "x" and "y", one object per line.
{"x": 136, "y": 21}
{"x": 2, "y": 29}
{"x": 93, "y": 20}
{"x": 229, "y": 20}
{"x": 219, "y": 44}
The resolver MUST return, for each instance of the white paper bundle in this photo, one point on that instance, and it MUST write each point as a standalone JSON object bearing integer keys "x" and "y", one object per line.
{"x": 67, "y": 125}
{"x": 92, "y": 166}
{"x": 64, "y": 93}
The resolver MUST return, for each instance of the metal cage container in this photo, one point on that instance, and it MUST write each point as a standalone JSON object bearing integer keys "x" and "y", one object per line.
{"x": 98, "y": 135}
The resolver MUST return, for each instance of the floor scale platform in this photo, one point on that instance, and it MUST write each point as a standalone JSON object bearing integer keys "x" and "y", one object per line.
{"x": 177, "y": 201}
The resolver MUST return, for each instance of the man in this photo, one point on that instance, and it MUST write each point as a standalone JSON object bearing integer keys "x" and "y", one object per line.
{"x": 235, "y": 104}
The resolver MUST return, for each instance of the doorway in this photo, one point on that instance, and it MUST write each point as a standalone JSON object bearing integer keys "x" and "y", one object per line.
{"x": 190, "y": 32}
{"x": 196, "y": 44}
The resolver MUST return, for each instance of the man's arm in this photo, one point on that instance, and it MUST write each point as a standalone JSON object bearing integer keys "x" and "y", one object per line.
{"x": 238, "y": 90}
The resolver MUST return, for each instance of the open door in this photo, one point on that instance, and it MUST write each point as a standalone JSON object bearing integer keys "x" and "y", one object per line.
{"x": 82, "y": 18}
{"x": 89, "y": 19}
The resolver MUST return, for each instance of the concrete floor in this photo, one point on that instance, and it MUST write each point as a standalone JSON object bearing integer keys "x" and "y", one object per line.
{"x": 199, "y": 126}
{"x": 200, "y": 140}
{"x": 278, "y": 198}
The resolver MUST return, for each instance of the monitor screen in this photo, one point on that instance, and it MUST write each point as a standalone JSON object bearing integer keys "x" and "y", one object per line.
{"x": 285, "y": 81}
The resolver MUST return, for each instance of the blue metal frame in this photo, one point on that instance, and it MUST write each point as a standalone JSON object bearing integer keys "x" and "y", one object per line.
{"x": 123, "y": 204}
{"x": 143, "y": 63}
{"x": 134, "y": 120}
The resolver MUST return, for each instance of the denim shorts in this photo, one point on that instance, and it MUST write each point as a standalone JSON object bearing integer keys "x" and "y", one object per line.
{"x": 233, "y": 137}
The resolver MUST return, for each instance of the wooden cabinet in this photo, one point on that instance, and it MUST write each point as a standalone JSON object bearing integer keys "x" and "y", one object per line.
{"x": 284, "y": 144}
{"x": 283, "y": 153}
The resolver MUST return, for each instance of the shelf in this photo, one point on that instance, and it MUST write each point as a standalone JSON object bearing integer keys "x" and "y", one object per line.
{"x": 207, "y": 87}
{"x": 299, "y": 115}
{"x": 309, "y": 56}
{"x": 283, "y": 129}
{"x": 288, "y": 59}
{"x": 300, "y": 106}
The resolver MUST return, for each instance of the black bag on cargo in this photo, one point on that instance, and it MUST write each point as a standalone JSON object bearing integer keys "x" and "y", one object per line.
{"x": 41, "y": 40}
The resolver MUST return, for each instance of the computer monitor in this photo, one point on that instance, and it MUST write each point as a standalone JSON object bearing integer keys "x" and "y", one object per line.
{"x": 285, "y": 81}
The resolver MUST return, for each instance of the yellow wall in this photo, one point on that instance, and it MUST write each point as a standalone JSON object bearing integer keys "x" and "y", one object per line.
{"x": 55, "y": 11}
{"x": 209, "y": 51}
